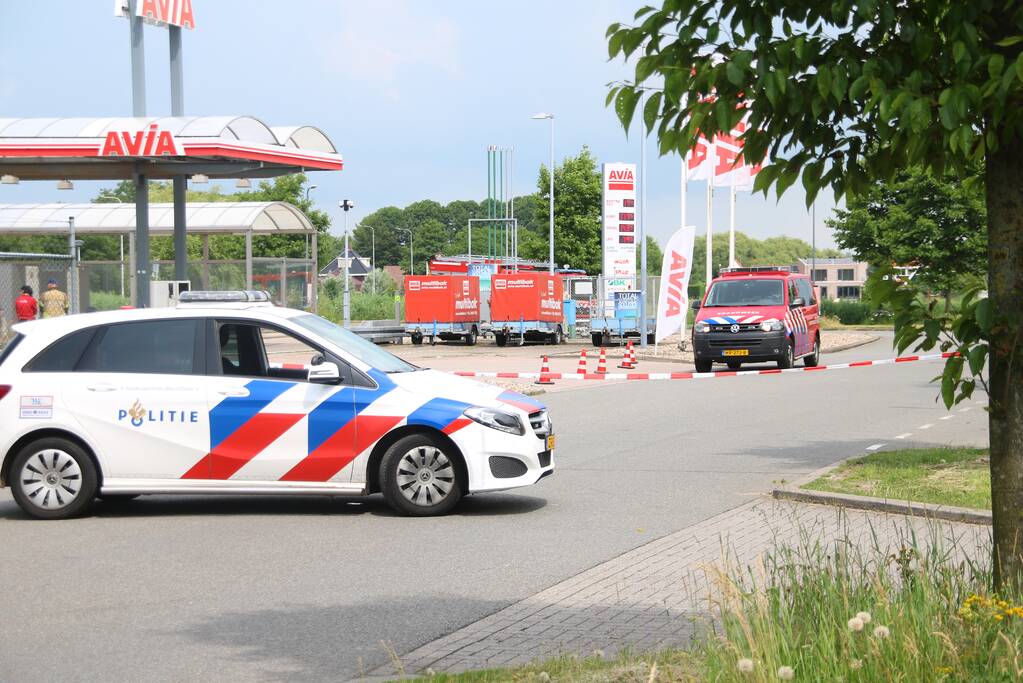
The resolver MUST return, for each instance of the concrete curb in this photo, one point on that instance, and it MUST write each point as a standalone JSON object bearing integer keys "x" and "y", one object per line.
{"x": 943, "y": 512}
{"x": 851, "y": 345}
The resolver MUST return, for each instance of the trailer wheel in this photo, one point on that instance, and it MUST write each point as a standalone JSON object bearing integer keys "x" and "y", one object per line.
{"x": 417, "y": 338}
{"x": 500, "y": 338}
{"x": 559, "y": 336}
{"x": 597, "y": 338}
{"x": 470, "y": 337}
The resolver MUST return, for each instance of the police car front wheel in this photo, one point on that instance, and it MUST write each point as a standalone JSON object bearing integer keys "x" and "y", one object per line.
{"x": 419, "y": 477}
{"x": 53, "y": 478}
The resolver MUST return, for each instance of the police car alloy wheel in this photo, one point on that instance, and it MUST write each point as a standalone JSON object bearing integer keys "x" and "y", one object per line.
{"x": 419, "y": 478}
{"x": 53, "y": 478}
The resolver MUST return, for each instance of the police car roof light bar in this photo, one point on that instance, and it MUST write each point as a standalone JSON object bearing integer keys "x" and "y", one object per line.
{"x": 235, "y": 296}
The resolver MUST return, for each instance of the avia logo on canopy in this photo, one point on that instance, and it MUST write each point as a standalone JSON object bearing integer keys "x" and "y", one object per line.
{"x": 151, "y": 142}
{"x": 160, "y": 12}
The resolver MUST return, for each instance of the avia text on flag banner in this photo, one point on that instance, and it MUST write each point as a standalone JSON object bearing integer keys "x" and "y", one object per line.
{"x": 673, "y": 302}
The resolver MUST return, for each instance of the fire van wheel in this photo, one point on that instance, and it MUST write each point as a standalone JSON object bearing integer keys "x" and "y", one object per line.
{"x": 500, "y": 339}
{"x": 787, "y": 360}
{"x": 703, "y": 365}
{"x": 419, "y": 478}
{"x": 417, "y": 339}
{"x": 734, "y": 364}
{"x": 814, "y": 358}
{"x": 53, "y": 478}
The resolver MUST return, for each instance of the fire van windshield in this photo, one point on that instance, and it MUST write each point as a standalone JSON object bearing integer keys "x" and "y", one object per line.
{"x": 746, "y": 293}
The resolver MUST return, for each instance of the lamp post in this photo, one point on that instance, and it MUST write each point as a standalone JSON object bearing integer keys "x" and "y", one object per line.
{"x": 372, "y": 256}
{"x": 307, "y": 191}
{"x": 540, "y": 117}
{"x": 411, "y": 254}
{"x": 347, "y": 205}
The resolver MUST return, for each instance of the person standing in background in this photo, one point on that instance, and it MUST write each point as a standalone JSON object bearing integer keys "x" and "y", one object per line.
{"x": 55, "y": 302}
{"x": 25, "y": 306}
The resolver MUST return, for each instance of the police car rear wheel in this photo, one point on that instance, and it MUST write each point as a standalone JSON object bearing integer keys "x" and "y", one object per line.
{"x": 419, "y": 478}
{"x": 53, "y": 478}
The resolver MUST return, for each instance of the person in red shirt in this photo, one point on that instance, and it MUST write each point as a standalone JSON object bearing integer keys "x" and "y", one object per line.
{"x": 25, "y": 306}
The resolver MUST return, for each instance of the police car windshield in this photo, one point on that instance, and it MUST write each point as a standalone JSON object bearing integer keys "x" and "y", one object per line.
{"x": 747, "y": 293}
{"x": 364, "y": 350}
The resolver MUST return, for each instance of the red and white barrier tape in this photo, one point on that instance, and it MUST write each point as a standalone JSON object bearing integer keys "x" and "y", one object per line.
{"x": 700, "y": 375}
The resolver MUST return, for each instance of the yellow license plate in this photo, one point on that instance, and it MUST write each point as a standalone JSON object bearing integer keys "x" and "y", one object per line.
{"x": 736, "y": 352}
{"x": 550, "y": 442}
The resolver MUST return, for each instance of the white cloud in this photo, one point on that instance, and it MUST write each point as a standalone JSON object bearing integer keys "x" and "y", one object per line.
{"x": 379, "y": 43}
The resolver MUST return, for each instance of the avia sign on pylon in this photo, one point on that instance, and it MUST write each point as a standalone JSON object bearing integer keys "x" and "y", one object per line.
{"x": 160, "y": 12}
{"x": 618, "y": 231}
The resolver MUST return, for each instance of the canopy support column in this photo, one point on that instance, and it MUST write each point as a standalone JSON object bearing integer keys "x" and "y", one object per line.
{"x": 132, "y": 276}
{"x": 315, "y": 277}
{"x": 180, "y": 243}
{"x": 205, "y": 261}
{"x": 141, "y": 238}
{"x": 248, "y": 260}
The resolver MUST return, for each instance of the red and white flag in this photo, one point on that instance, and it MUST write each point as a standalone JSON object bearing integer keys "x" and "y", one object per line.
{"x": 673, "y": 302}
{"x": 720, "y": 161}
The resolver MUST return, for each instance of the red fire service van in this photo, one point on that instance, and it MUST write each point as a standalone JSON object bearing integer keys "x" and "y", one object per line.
{"x": 442, "y": 307}
{"x": 526, "y": 307}
{"x": 757, "y": 314}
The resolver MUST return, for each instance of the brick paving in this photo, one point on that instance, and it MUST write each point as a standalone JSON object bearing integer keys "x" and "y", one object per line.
{"x": 656, "y": 595}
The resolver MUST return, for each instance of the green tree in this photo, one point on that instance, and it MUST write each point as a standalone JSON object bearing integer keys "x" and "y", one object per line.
{"x": 577, "y": 196}
{"x": 937, "y": 222}
{"x": 846, "y": 92}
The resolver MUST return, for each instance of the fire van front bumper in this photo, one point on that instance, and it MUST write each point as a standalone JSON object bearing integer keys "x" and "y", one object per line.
{"x": 721, "y": 346}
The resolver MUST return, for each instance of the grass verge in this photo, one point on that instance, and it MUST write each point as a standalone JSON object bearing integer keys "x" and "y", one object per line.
{"x": 870, "y": 606}
{"x": 945, "y": 476}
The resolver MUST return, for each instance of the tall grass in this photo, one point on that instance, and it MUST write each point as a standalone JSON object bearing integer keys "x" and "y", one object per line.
{"x": 920, "y": 612}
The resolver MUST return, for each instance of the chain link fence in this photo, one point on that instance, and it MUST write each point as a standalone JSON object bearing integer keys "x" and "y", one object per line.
{"x": 34, "y": 270}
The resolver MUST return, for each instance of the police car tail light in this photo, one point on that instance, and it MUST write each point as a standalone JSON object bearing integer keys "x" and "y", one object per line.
{"x": 4, "y": 390}
{"x": 496, "y": 419}
{"x": 771, "y": 326}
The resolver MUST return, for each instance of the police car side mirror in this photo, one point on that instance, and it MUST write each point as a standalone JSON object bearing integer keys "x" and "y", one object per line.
{"x": 797, "y": 302}
{"x": 325, "y": 373}
{"x": 696, "y": 305}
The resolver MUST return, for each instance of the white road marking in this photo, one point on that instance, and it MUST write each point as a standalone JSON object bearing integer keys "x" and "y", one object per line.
{"x": 904, "y": 436}
{"x": 963, "y": 410}
{"x": 926, "y": 426}
{"x": 947, "y": 417}
{"x": 874, "y": 447}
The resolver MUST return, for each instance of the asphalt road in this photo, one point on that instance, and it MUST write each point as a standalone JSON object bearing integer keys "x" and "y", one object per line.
{"x": 168, "y": 588}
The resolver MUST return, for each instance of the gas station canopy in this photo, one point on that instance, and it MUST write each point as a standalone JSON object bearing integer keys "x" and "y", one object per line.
{"x": 110, "y": 148}
{"x": 204, "y": 218}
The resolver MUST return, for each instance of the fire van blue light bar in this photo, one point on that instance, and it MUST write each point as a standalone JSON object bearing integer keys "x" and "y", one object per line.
{"x": 233, "y": 296}
{"x": 759, "y": 269}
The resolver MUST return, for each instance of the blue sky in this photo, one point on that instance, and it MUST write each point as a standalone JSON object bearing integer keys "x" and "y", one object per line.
{"x": 412, "y": 93}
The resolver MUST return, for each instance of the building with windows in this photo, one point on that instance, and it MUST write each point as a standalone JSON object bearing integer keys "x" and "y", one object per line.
{"x": 358, "y": 268}
{"x": 838, "y": 278}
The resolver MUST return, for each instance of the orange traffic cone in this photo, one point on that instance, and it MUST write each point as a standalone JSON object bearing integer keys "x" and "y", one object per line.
{"x": 602, "y": 362}
{"x": 581, "y": 369}
{"x": 629, "y": 359}
{"x": 545, "y": 373}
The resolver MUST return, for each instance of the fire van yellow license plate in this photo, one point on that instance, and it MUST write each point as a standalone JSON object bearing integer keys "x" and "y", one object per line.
{"x": 550, "y": 442}
{"x": 736, "y": 352}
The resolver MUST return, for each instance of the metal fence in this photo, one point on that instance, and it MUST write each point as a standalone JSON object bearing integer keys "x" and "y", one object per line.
{"x": 34, "y": 270}
{"x": 594, "y": 297}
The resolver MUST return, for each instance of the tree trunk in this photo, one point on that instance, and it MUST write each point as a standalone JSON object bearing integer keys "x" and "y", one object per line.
{"x": 1005, "y": 365}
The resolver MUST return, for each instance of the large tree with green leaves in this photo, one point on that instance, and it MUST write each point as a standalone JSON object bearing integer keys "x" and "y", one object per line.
{"x": 577, "y": 197}
{"x": 936, "y": 222}
{"x": 846, "y": 92}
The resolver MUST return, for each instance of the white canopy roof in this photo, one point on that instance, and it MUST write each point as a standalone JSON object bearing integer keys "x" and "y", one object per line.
{"x": 113, "y": 219}
{"x": 108, "y": 148}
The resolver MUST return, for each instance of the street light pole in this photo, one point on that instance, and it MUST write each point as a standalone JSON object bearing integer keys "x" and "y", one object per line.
{"x": 346, "y": 206}
{"x": 411, "y": 253}
{"x": 550, "y": 236}
{"x": 373, "y": 257}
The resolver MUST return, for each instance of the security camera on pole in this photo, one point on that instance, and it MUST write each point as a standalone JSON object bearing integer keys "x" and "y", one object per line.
{"x": 347, "y": 205}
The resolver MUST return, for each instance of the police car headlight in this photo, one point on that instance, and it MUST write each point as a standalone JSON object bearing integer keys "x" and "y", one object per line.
{"x": 771, "y": 327}
{"x": 703, "y": 327}
{"x": 496, "y": 419}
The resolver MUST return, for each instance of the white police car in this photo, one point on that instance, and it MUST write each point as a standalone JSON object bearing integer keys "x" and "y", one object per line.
{"x": 228, "y": 394}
